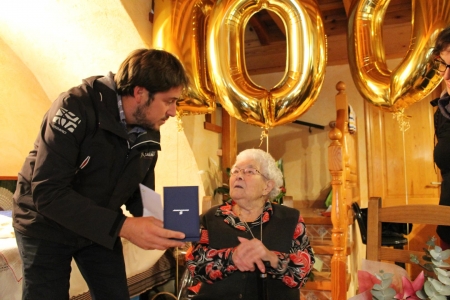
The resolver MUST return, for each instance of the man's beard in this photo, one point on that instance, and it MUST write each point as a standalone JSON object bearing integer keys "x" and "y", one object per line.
{"x": 140, "y": 118}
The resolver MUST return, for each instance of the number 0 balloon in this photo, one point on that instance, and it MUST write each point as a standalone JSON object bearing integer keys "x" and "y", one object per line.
{"x": 180, "y": 28}
{"x": 414, "y": 78}
{"x": 305, "y": 64}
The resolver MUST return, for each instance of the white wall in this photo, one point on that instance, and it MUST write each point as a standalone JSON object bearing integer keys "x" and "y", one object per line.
{"x": 48, "y": 46}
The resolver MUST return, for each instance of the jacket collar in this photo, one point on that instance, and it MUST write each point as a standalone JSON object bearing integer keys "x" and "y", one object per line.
{"x": 108, "y": 114}
{"x": 148, "y": 140}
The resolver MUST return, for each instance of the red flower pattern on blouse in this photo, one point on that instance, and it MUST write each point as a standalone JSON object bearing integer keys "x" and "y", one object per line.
{"x": 189, "y": 255}
{"x": 195, "y": 288}
{"x": 265, "y": 217}
{"x": 215, "y": 274}
{"x": 240, "y": 227}
{"x": 204, "y": 239}
{"x": 299, "y": 229}
{"x": 302, "y": 259}
{"x": 212, "y": 253}
{"x": 289, "y": 281}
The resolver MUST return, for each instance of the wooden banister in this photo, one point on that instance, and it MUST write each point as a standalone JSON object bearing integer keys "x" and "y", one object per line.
{"x": 342, "y": 166}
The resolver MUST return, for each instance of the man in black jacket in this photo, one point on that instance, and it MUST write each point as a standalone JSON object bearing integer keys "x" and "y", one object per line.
{"x": 97, "y": 142}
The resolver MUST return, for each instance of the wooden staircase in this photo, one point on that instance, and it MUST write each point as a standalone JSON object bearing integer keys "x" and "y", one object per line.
{"x": 319, "y": 230}
{"x": 330, "y": 236}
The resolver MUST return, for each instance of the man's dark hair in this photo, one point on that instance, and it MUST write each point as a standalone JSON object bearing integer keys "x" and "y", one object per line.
{"x": 155, "y": 70}
{"x": 442, "y": 41}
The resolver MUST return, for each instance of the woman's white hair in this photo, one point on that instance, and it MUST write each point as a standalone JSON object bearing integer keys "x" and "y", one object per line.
{"x": 268, "y": 167}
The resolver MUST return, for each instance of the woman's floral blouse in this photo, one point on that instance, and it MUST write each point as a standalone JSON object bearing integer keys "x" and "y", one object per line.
{"x": 210, "y": 265}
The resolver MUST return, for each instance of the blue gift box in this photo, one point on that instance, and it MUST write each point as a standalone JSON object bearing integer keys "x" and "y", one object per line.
{"x": 181, "y": 212}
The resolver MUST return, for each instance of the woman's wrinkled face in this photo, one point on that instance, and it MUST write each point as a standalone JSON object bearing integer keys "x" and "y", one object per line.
{"x": 247, "y": 181}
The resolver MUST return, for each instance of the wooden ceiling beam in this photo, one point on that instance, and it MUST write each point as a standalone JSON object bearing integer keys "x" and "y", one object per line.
{"x": 278, "y": 21}
{"x": 260, "y": 30}
{"x": 272, "y": 56}
{"x": 347, "y": 5}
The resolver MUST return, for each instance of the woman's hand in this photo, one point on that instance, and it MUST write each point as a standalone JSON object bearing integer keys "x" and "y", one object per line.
{"x": 253, "y": 252}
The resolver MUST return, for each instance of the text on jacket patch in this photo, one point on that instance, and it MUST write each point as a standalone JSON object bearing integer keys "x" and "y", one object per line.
{"x": 147, "y": 155}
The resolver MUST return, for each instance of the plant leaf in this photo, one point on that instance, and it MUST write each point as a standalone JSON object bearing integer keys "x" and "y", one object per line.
{"x": 421, "y": 294}
{"x": 442, "y": 275}
{"x": 440, "y": 288}
{"x": 377, "y": 287}
{"x": 429, "y": 288}
{"x": 445, "y": 254}
{"x": 413, "y": 258}
{"x": 440, "y": 263}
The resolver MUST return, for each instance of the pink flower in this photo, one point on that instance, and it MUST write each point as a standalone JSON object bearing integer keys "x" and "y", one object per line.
{"x": 366, "y": 281}
{"x": 410, "y": 288}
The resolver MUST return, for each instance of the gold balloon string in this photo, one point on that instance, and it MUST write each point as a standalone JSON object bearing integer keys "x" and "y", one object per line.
{"x": 264, "y": 135}
{"x": 179, "y": 122}
{"x": 402, "y": 119}
{"x": 404, "y": 125}
{"x": 405, "y": 179}
{"x": 404, "y": 168}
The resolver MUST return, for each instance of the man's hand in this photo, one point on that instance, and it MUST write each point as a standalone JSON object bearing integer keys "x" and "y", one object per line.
{"x": 148, "y": 233}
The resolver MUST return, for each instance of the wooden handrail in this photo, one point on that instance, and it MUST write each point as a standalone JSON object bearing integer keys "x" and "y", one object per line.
{"x": 342, "y": 166}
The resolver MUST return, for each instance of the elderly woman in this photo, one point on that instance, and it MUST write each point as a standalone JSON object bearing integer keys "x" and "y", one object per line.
{"x": 250, "y": 246}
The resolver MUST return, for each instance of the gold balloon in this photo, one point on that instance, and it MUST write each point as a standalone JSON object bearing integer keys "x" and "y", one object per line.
{"x": 180, "y": 28}
{"x": 414, "y": 78}
{"x": 305, "y": 63}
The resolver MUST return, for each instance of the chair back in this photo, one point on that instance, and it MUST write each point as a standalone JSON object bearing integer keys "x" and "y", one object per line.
{"x": 362, "y": 222}
{"x": 431, "y": 214}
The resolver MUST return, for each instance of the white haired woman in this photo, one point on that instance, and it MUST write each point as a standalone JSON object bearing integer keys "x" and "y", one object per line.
{"x": 251, "y": 248}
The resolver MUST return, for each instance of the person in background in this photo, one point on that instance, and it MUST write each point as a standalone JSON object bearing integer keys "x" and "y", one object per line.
{"x": 249, "y": 247}
{"x": 96, "y": 144}
{"x": 441, "y": 51}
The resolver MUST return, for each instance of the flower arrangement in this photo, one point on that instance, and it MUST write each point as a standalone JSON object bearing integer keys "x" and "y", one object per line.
{"x": 437, "y": 285}
{"x": 382, "y": 281}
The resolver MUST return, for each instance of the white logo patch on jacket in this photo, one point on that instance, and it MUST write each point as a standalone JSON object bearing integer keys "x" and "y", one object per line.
{"x": 66, "y": 120}
{"x": 147, "y": 155}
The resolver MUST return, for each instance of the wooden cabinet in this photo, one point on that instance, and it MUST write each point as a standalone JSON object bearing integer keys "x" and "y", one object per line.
{"x": 400, "y": 163}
